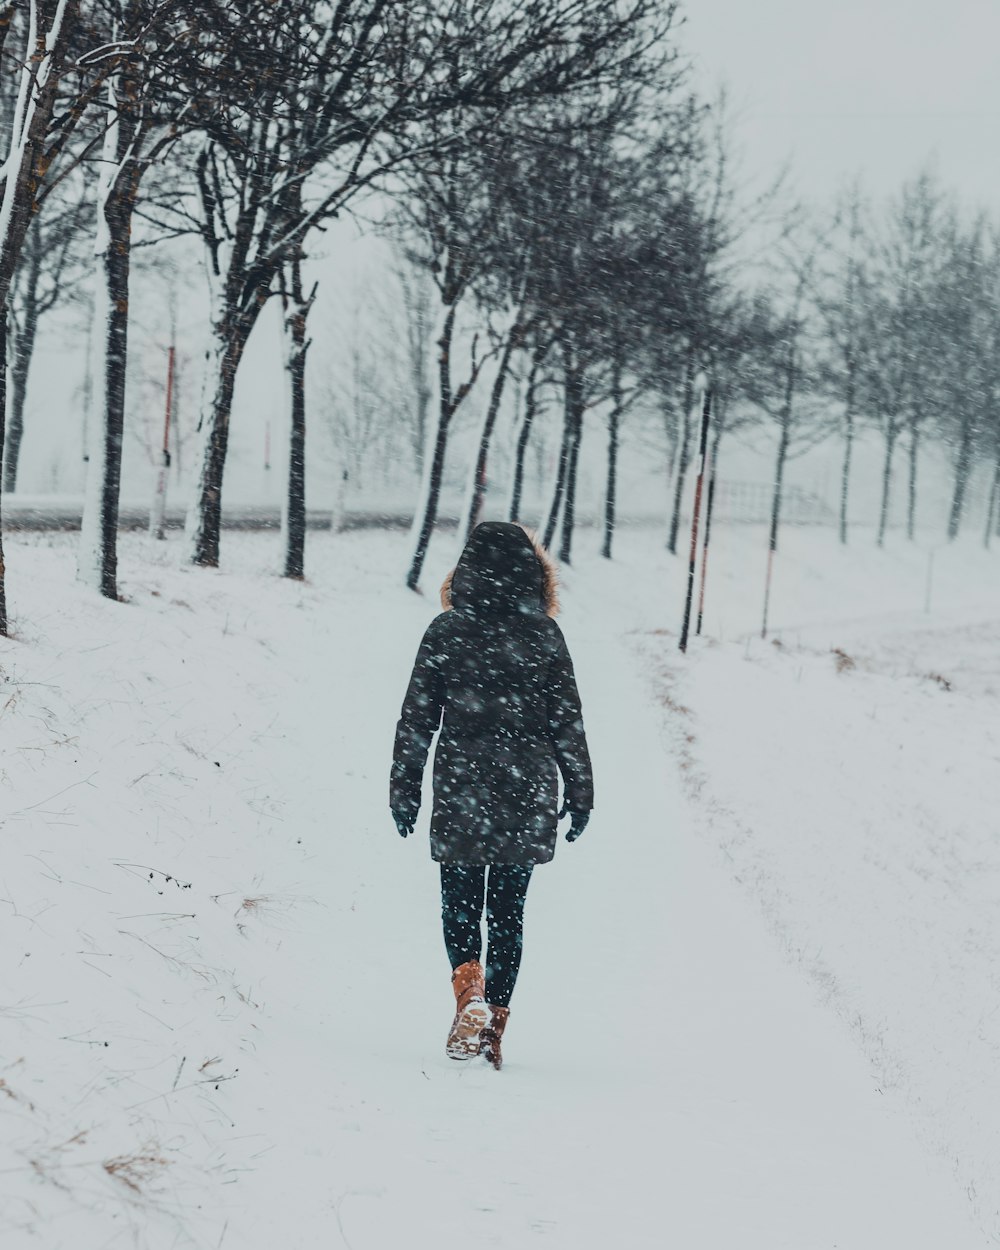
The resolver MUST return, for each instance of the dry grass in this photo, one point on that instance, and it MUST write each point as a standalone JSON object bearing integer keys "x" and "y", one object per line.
{"x": 255, "y": 904}
{"x": 136, "y": 1170}
{"x": 843, "y": 662}
{"x": 943, "y": 682}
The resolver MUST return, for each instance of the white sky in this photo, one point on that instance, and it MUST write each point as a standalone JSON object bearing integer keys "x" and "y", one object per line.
{"x": 840, "y": 87}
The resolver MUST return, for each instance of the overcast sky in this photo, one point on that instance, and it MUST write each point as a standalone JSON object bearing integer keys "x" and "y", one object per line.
{"x": 858, "y": 86}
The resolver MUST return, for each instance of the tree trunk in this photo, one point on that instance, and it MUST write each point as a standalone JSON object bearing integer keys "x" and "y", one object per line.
{"x": 23, "y": 345}
{"x": 720, "y": 422}
{"x": 611, "y": 491}
{"x": 3, "y": 408}
{"x": 911, "y": 502}
{"x": 204, "y": 519}
{"x": 158, "y": 509}
{"x": 996, "y": 531}
{"x": 430, "y": 493}
{"x": 477, "y": 487}
{"x": 890, "y": 446}
{"x": 419, "y": 329}
{"x": 719, "y": 429}
{"x": 424, "y": 397}
{"x": 555, "y": 506}
{"x": 776, "y": 498}
{"x": 784, "y": 442}
{"x": 993, "y": 504}
{"x": 683, "y": 456}
{"x": 845, "y": 472}
{"x": 338, "y": 513}
{"x": 575, "y": 399}
{"x": 671, "y": 425}
{"x": 779, "y": 487}
{"x": 87, "y": 390}
{"x": 530, "y": 409}
{"x": 963, "y": 471}
{"x": 97, "y": 565}
{"x": 38, "y": 71}
{"x": 296, "y": 311}
{"x": 240, "y": 293}
{"x": 424, "y": 391}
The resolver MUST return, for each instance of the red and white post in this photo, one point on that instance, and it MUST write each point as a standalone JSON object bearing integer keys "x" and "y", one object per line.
{"x": 701, "y": 387}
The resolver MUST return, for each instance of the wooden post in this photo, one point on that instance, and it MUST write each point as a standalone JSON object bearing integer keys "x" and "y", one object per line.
{"x": 709, "y": 504}
{"x": 701, "y": 384}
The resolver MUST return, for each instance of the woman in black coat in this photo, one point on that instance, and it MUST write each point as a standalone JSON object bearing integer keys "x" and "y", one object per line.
{"x": 493, "y": 672}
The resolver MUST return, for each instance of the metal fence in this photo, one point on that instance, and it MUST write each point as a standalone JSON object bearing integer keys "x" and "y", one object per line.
{"x": 749, "y": 503}
{"x": 739, "y": 503}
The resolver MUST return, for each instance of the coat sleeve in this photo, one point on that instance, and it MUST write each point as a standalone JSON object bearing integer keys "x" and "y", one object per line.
{"x": 566, "y": 731}
{"x": 418, "y": 722}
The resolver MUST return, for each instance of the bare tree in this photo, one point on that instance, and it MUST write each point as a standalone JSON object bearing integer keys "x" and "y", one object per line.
{"x": 178, "y": 59}
{"x": 693, "y": 279}
{"x": 451, "y": 210}
{"x": 47, "y": 277}
{"x": 348, "y": 93}
{"x": 968, "y": 338}
{"x": 842, "y": 297}
{"x": 611, "y": 280}
{"x": 921, "y": 220}
{"x": 784, "y": 387}
{"x": 296, "y": 306}
{"x": 57, "y": 78}
{"x": 900, "y": 377}
{"x": 990, "y": 366}
{"x": 684, "y": 425}
{"x": 541, "y": 343}
{"x": 364, "y": 385}
{"x": 418, "y": 294}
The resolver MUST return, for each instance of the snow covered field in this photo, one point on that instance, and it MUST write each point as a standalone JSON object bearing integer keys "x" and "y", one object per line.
{"x": 850, "y": 770}
{"x": 224, "y": 996}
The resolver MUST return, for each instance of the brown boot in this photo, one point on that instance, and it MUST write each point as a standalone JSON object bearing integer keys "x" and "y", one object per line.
{"x": 489, "y": 1038}
{"x": 472, "y": 1015}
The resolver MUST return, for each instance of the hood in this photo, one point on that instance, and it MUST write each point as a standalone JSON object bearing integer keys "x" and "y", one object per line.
{"x": 504, "y": 568}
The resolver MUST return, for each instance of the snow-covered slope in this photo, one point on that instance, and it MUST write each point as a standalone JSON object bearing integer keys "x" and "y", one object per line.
{"x": 224, "y": 992}
{"x": 849, "y": 769}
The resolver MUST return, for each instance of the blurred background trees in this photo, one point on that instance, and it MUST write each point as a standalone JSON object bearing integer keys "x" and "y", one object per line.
{"x": 557, "y": 243}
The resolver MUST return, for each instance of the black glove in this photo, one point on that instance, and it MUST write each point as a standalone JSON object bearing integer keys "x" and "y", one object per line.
{"x": 405, "y": 818}
{"x": 577, "y": 822}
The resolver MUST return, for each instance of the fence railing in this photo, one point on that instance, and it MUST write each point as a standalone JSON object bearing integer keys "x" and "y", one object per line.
{"x": 748, "y": 503}
{"x": 739, "y": 503}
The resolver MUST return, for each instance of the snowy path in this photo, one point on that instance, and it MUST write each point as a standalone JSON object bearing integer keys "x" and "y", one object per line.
{"x": 669, "y": 1079}
{"x": 266, "y": 1054}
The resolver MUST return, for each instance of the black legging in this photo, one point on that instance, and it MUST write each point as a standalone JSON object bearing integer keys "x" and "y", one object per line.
{"x": 464, "y": 890}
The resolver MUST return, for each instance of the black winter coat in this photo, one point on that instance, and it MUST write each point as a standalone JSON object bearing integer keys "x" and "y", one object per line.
{"x": 494, "y": 673}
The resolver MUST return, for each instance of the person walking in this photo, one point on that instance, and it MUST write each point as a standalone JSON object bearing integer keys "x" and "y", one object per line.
{"x": 493, "y": 672}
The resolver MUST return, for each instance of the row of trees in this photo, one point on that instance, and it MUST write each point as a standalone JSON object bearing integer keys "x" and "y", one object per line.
{"x": 567, "y": 213}
{"x": 250, "y": 125}
{"x": 863, "y": 319}
{"x": 902, "y": 332}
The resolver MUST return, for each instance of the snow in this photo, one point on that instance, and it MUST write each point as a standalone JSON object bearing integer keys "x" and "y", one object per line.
{"x": 225, "y": 994}
{"x": 848, "y": 770}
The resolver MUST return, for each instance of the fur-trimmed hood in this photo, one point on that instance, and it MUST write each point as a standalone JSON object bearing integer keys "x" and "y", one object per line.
{"x": 504, "y": 567}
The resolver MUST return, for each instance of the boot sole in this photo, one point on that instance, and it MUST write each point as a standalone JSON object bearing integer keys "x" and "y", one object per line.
{"x": 463, "y": 1040}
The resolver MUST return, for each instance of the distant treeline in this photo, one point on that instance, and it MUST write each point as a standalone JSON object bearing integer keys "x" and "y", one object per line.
{"x": 565, "y": 210}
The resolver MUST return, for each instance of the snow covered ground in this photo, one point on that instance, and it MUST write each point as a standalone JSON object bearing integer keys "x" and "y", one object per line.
{"x": 848, "y": 768}
{"x": 224, "y": 995}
